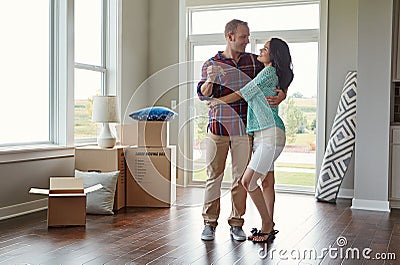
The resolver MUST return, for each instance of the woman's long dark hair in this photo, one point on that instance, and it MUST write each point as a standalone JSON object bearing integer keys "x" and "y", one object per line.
{"x": 282, "y": 61}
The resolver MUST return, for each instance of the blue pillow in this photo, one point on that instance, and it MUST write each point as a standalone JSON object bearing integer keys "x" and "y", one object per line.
{"x": 154, "y": 114}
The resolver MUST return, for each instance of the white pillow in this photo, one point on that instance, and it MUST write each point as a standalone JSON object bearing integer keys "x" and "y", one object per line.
{"x": 100, "y": 201}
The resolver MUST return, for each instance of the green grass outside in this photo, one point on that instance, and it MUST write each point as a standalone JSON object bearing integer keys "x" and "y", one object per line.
{"x": 292, "y": 165}
{"x": 294, "y": 178}
{"x": 281, "y": 177}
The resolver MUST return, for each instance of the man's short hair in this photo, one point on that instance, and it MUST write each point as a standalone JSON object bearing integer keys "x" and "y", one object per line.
{"x": 232, "y": 25}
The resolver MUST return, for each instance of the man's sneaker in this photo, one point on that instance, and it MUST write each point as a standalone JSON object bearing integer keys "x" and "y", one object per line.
{"x": 208, "y": 233}
{"x": 237, "y": 233}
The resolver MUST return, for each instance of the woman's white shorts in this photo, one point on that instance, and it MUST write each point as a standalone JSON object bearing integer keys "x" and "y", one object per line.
{"x": 268, "y": 144}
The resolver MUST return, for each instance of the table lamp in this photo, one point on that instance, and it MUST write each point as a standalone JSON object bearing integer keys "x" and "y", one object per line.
{"x": 105, "y": 111}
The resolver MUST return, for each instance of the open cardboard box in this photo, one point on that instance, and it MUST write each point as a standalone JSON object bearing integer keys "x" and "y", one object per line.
{"x": 67, "y": 201}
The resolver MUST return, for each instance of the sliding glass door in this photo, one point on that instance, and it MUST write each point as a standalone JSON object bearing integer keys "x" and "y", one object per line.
{"x": 296, "y": 167}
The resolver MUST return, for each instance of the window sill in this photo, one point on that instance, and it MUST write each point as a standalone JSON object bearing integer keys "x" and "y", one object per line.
{"x": 23, "y": 153}
{"x": 85, "y": 144}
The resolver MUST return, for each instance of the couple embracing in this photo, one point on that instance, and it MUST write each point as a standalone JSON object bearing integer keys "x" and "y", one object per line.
{"x": 243, "y": 91}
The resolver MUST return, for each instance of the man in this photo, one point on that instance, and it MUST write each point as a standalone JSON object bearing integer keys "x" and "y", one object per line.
{"x": 221, "y": 75}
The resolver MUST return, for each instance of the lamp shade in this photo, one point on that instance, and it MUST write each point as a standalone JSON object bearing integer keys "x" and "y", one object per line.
{"x": 105, "y": 109}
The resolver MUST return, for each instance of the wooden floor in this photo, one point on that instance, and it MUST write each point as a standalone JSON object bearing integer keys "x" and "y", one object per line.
{"x": 172, "y": 235}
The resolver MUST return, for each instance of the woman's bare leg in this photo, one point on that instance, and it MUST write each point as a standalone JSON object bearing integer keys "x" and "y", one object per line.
{"x": 268, "y": 191}
{"x": 249, "y": 182}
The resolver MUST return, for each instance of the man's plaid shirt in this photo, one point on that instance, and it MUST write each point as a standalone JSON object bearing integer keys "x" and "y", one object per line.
{"x": 229, "y": 120}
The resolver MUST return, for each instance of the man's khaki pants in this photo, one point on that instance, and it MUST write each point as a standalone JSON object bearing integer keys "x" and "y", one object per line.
{"x": 216, "y": 153}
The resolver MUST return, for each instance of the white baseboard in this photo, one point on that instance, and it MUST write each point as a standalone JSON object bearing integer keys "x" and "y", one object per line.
{"x": 346, "y": 194}
{"x": 371, "y": 205}
{"x": 23, "y": 208}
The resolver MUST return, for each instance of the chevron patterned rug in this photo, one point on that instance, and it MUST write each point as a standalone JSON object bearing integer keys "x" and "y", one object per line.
{"x": 341, "y": 143}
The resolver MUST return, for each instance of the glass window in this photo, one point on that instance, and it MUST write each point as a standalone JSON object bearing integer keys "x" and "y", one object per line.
{"x": 25, "y": 68}
{"x": 88, "y": 31}
{"x": 296, "y": 164}
{"x": 305, "y": 66}
{"x": 264, "y": 18}
{"x": 87, "y": 85}
{"x": 90, "y": 68}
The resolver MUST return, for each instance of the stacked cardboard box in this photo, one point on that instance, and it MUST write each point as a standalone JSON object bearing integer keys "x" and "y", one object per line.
{"x": 127, "y": 134}
{"x": 151, "y": 167}
{"x": 153, "y": 133}
{"x": 94, "y": 158}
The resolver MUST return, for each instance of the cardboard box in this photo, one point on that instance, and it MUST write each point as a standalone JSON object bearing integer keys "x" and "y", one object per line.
{"x": 88, "y": 158}
{"x": 151, "y": 176}
{"x": 128, "y": 134}
{"x": 153, "y": 133}
{"x": 67, "y": 201}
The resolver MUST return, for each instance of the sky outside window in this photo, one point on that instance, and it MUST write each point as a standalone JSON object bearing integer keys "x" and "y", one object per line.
{"x": 305, "y": 16}
{"x": 24, "y": 68}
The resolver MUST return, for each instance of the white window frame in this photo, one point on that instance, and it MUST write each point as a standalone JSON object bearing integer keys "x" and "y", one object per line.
{"x": 63, "y": 74}
{"x": 98, "y": 68}
{"x": 63, "y": 100}
{"x": 186, "y": 53}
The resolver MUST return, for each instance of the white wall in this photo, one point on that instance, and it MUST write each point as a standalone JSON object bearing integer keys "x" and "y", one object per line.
{"x": 342, "y": 57}
{"x": 149, "y": 55}
{"x": 21, "y": 171}
{"x": 164, "y": 57}
{"x": 373, "y": 105}
{"x": 163, "y": 34}
{"x": 134, "y": 45}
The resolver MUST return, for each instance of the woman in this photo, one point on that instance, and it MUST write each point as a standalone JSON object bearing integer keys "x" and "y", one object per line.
{"x": 268, "y": 130}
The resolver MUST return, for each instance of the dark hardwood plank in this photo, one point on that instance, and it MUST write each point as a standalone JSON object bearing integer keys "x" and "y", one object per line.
{"x": 172, "y": 235}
